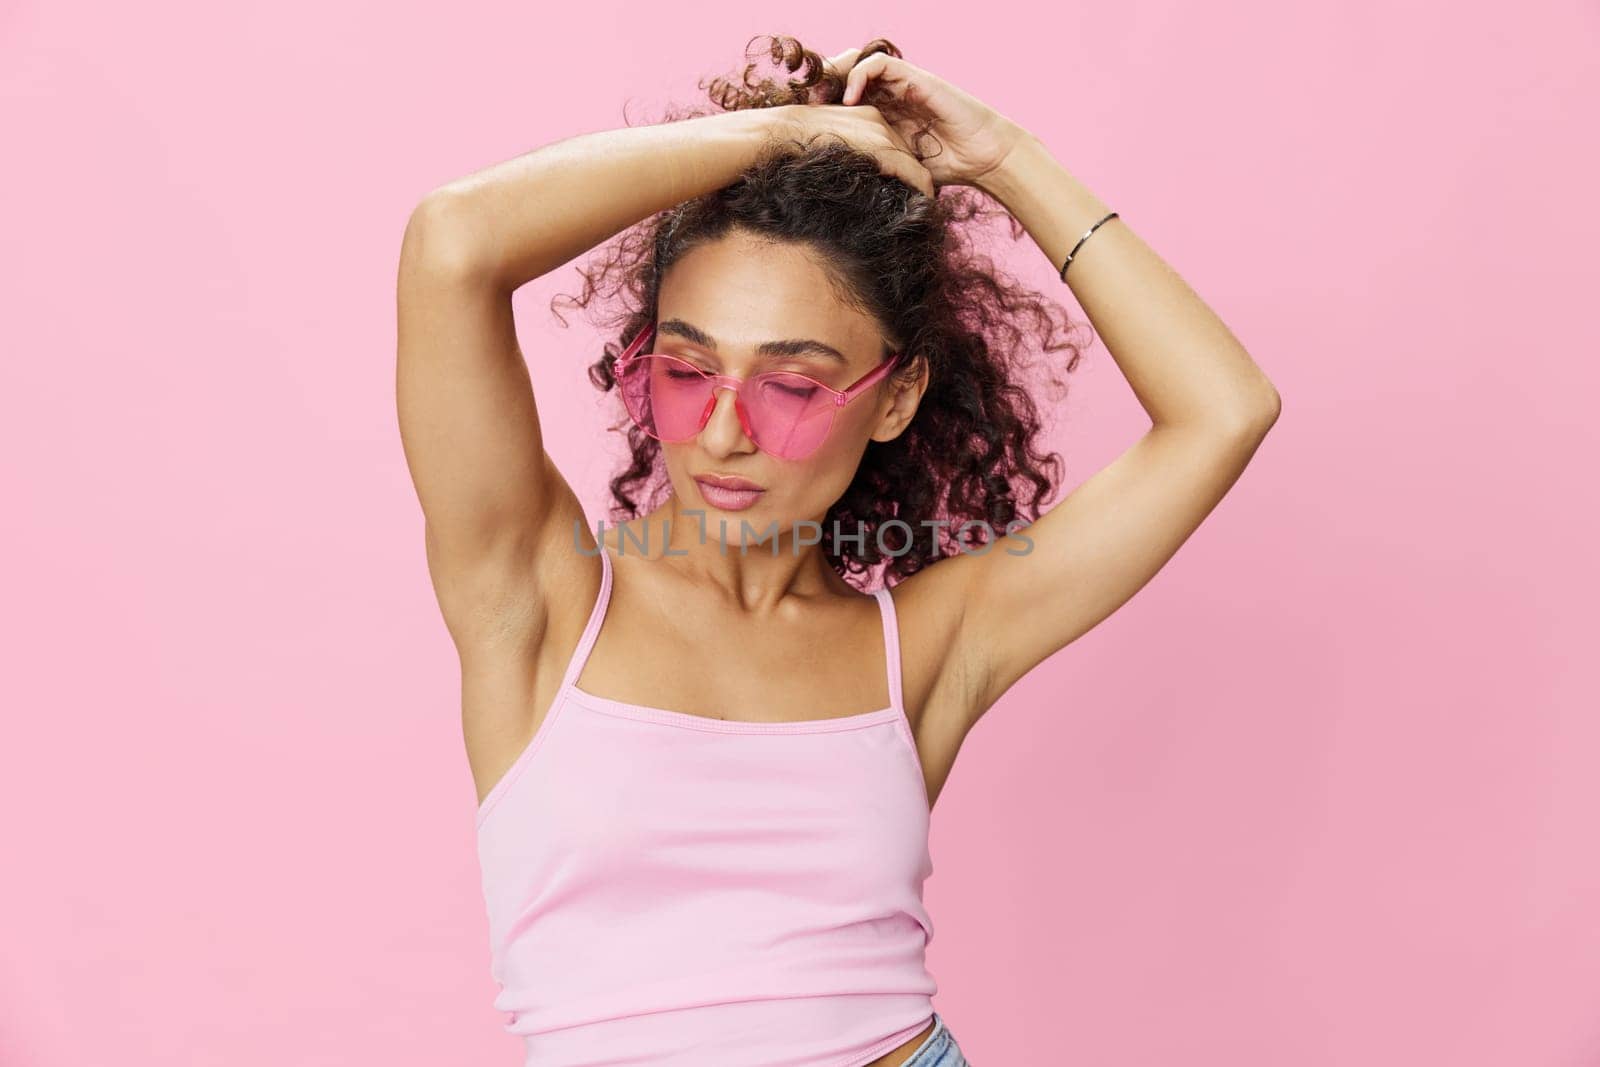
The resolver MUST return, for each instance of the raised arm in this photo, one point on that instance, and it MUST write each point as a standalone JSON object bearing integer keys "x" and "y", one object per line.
{"x": 1209, "y": 404}
{"x": 497, "y": 513}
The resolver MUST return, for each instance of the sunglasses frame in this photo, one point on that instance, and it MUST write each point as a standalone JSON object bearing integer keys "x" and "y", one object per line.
{"x": 841, "y": 397}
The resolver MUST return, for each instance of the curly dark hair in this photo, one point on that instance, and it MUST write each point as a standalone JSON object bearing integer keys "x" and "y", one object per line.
{"x": 969, "y": 457}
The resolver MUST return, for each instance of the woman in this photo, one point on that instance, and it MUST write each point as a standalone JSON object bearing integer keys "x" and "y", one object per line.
{"x": 704, "y": 760}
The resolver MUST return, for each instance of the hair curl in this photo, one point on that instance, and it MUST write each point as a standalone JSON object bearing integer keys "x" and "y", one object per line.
{"x": 970, "y": 452}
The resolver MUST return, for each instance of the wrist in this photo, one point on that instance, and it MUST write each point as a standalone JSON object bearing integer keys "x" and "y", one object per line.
{"x": 1002, "y": 180}
{"x": 726, "y": 143}
{"x": 763, "y": 125}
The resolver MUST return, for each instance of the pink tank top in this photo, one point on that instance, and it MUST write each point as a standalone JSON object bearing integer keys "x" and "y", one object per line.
{"x": 671, "y": 889}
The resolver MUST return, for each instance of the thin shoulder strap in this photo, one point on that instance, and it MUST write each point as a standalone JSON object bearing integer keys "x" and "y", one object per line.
{"x": 891, "y": 642}
{"x": 597, "y": 615}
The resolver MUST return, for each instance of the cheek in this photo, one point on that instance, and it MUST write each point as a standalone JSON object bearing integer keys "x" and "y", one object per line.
{"x": 826, "y": 473}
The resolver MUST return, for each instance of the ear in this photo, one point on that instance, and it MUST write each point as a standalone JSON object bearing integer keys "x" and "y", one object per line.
{"x": 904, "y": 397}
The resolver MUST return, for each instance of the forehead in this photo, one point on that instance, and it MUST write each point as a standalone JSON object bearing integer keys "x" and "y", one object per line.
{"x": 743, "y": 292}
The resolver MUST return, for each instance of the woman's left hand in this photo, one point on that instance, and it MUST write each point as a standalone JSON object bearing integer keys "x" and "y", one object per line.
{"x": 975, "y": 138}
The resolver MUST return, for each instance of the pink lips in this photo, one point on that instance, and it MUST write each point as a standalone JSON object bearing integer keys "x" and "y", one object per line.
{"x": 728, "y": 494}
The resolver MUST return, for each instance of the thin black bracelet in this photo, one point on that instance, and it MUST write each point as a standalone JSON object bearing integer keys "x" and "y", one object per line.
{"x": 1082, "y": 239}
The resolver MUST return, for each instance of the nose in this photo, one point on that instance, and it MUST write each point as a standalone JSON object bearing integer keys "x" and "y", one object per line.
{"x": 721, "y": 434}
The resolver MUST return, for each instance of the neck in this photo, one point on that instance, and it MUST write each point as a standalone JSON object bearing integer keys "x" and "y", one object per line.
{"x": 755, "y": 560}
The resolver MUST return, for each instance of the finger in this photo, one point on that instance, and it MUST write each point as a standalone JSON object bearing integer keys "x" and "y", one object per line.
{"x": 891, "y": 132}
{"x": 899, "y": 140}
{"x": 841, "y": 63}
{"x": 875, "y": 65}
{"x": 907, "y": 169}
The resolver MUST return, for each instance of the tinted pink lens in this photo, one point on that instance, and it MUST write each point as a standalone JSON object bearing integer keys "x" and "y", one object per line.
{"x": 790, "y": 414}
{"x": 666, "y": 396}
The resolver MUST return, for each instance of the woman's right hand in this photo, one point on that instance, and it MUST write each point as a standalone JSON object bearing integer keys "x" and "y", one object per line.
{"x": 863, "y": 127}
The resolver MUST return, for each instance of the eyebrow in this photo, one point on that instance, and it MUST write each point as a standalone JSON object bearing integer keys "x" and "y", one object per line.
{"x": 799, "y": 346}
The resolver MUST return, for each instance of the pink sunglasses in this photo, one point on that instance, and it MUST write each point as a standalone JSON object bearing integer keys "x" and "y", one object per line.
{"x": 784, "y": 413}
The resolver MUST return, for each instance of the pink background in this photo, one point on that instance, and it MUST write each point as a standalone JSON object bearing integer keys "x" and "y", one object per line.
{"x": 1323, "y": 793}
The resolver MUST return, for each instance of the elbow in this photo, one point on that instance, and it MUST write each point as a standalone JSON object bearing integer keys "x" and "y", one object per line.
{"x": 437, "y": 240}
{"x": 1254, "y": 417}
{"x": 1267, "y": 409}
{"x": 1262, "y": 404}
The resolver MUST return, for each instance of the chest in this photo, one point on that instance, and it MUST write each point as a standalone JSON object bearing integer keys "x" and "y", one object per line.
{"x": 623, "y": 801}
{"x": 724, "y": 669}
